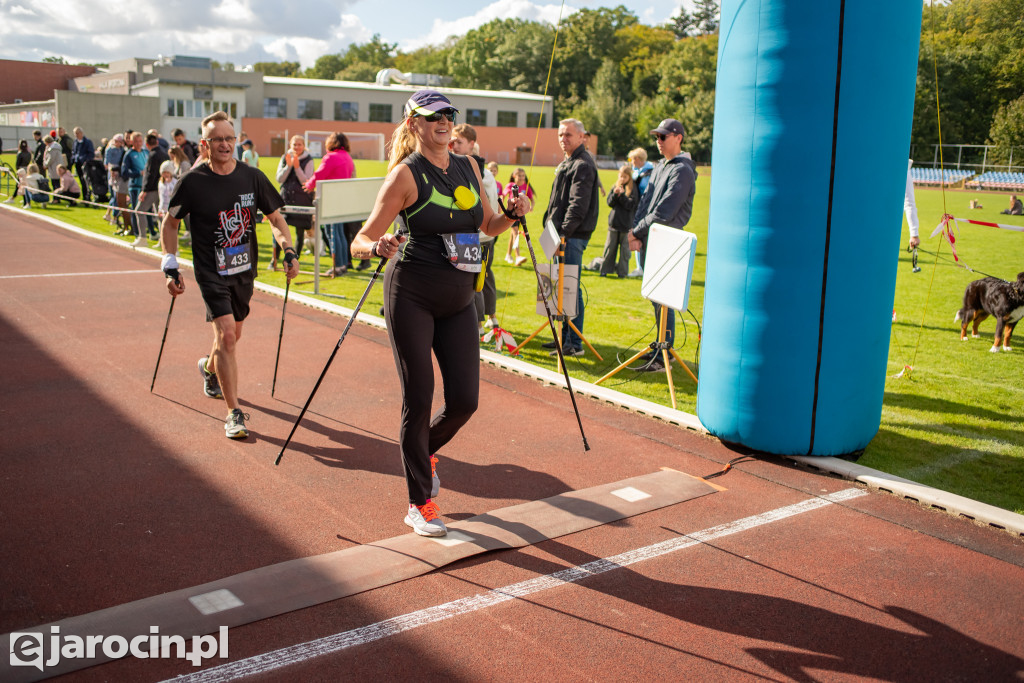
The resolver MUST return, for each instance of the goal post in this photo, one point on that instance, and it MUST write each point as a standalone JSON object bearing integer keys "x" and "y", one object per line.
{"x": 362, "y": 145}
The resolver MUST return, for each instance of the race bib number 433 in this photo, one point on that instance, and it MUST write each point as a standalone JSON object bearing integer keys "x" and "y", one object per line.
{"x": 232, "y": 260}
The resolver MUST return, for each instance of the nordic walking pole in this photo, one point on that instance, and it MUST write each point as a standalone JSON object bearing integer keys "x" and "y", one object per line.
{"x": 287, "y": 284}
{"x": 337, "y": 346}
{"x": 162, "y": 341}
{"x": 547, "y": 309}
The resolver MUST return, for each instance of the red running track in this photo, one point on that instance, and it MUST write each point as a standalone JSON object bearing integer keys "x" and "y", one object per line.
{"x": 110, "y": 494}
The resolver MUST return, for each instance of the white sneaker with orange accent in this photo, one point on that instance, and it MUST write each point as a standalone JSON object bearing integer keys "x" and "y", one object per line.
{"x": 425, "y": 520}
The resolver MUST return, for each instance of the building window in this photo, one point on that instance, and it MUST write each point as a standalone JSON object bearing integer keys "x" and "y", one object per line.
{"x": 275, "y": 108}
{"x": 534, "y": 120}
{"x": 508, "y": 119}
{"x": 310, "y": 109}
{"x": 476, "y": 117}
{"x": 380, "y": 113}
{"x": 346, "y": 111}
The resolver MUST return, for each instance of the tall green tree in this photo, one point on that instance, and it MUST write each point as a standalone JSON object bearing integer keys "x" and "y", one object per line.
{"x": 585, "y": 39}
{"x": 1007, "y": 134}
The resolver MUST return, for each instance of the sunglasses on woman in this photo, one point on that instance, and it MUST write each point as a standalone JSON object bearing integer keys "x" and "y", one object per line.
{"x": 436, "y": 116}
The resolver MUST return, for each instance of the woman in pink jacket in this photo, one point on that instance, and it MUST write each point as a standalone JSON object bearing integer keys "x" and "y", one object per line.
{"x": 337, "y": 164}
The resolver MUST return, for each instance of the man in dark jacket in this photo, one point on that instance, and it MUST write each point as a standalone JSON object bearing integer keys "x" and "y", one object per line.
{"x": 186, "y": 145}
{"x": 38, "y": 156}
{"x": 149, "y": 200}
{"x": 667, "y": 201}
{"x": 82, "y": 152}
{"x": 573, "y": 209}
{"x": 65, "y": 141}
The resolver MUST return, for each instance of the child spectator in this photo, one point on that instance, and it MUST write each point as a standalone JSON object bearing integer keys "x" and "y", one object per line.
{"x": 519, "y": 178}
{"x": 249, "y": 155}
{"x": 166, "y": 186}
{"x": 622, "y": 200}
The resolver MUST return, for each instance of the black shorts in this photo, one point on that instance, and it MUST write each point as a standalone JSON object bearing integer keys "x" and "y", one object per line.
{"x": 226, "y": 297}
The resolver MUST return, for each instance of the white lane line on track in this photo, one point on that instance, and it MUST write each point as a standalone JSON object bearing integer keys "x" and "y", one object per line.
{"x": 99, "y": 272}
{"x": 296, "y": 654}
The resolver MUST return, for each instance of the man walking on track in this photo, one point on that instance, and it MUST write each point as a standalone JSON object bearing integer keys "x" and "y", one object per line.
{"x": 222, "y": 198}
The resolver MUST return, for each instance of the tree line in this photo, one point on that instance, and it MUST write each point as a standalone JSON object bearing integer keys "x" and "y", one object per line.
{"x": 621, "y": 77}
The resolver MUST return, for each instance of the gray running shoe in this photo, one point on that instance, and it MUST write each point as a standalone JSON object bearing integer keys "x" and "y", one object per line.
{"x": 211, "y": 387}
{"x": 234, "y": 426}
{"x": 435, "y": 483}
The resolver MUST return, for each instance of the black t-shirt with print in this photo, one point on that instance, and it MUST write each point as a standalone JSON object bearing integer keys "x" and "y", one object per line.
{"x": 222, "y": 210}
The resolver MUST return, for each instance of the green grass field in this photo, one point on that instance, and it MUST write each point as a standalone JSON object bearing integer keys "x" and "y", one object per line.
{"x": 956, "y": 423}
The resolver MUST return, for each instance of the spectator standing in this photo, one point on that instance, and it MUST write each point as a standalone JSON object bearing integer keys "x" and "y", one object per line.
{"x": 164, "y": 145}
{"x": 249, "y": 155}
{"x": 82, "y": 151}
{"x": 492, "y": 166}
{"x": 667, "y": 201}
{"x": 112, "y": 158}
{"x": 53, "y": 158}
{"x": 910, "y": 209}
{"x": 149, "y": 198}
{"x": 573, "y": 209}
{"x": 180, "y": 166}
{"x": 166, "y": 186}
{"x": 293, "y": 171}
{"x": 464, "y": 141}
{"x": 39, "y": 154}
{"x": 622, "y": 200}
{"x": 336, "y": 164}
{"x": 186, "y": 145}
{"x": 24, "y": 157}
{"x": 240, "y": 147}
{"x": 132, "y": 168}
{"x": 66, "y": 144}
{"x": 519, "y": 179}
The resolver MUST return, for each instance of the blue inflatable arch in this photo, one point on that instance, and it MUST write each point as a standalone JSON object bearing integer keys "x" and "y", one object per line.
{"x": 813, "y": 109}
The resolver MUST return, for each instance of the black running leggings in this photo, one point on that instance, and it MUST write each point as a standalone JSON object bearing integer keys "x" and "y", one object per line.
{"x": 431, "y": 309}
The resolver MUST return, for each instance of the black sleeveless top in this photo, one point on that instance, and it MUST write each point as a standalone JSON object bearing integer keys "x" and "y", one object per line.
{"x": 435, "y": 211}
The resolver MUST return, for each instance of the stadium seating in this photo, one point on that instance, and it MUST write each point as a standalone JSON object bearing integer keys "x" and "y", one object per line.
{"x": 934, "y": 176}
{"x": 997, "y": 180}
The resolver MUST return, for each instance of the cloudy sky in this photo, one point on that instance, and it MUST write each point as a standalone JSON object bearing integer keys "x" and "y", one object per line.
{"x": 247, "y": 31}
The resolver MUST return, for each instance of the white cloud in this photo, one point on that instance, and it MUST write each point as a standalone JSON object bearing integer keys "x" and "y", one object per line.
{"x": 500, "y": 9}
{"x": 237, "y": 31}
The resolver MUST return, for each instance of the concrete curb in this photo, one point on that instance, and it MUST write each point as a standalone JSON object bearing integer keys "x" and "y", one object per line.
{"x": 924, "y": 495}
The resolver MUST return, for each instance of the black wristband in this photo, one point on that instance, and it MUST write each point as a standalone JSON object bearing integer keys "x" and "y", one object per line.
{"x": 289, "y": 255}
{"x": 373, "y": 251}
{"x": 173, "y": 274}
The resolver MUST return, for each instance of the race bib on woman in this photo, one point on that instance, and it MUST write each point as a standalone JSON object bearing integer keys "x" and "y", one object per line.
{"x": 464, "y": 251}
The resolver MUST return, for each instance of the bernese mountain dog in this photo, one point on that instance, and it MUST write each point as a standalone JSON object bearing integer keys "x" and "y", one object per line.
{"x": 995, "y": 297}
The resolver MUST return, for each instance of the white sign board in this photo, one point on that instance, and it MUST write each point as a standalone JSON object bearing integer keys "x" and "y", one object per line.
{"x": 341, "y": 201}
{"x": 669, "y": 266}
{"x": 549, "y": 240}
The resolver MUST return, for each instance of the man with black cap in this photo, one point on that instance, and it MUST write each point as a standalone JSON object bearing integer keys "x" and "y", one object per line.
{"x": 667, "y": 201}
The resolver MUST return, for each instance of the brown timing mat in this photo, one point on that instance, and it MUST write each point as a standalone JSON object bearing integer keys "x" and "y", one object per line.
{"x": 281, "y": 588}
